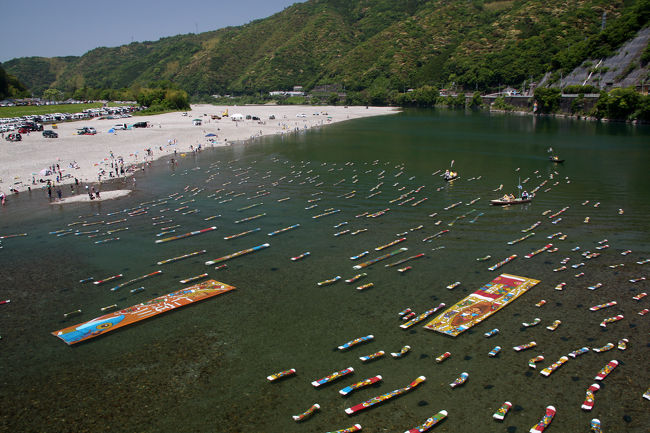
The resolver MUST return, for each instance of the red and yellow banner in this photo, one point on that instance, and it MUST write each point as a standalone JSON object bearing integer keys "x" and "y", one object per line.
{"x": 481, "y": 304}
{"x": 118, "y": 319}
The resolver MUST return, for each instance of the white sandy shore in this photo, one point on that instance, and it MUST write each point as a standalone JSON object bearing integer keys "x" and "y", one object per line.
{"x": 21, "y": 162}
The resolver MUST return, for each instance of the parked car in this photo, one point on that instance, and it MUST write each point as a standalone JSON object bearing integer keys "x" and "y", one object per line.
{"x": 86, "y": 130}
{"x": 48, "y": 133}
{"x": 14, "y": 137}
{"x": 140, "y": 125}
{"x": 120, "y": 126}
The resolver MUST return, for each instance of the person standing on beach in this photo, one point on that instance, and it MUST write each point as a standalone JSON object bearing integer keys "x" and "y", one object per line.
{"x": 59, "y": 194}
{"x": 49, "y": 191}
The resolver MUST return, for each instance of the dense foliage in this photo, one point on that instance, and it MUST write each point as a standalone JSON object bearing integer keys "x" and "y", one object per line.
{"x": 374, "y": 49}
{"x": 10, "y": 87}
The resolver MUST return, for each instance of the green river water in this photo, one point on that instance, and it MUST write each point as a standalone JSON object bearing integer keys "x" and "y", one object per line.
{"x": 203, "y": 368}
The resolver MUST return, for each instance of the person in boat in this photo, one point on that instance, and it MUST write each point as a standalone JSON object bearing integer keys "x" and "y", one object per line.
{"x": 524, "y": 195}
{"x": 511, "y": 197}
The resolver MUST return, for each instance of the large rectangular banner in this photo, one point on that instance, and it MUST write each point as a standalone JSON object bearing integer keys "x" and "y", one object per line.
{"x": 481, "y": 304}
{"x": 118, "y": 319}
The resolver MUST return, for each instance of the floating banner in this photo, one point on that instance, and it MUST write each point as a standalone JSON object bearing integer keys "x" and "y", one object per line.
{"x": 117, "y": 319}
{"x": 481, "y": 304}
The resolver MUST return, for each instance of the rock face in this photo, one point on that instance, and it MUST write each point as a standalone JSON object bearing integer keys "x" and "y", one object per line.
{"x": 623, "y": 69}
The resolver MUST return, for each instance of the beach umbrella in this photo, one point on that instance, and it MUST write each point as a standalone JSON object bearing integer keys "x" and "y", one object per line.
{"x": 44, "y": 172}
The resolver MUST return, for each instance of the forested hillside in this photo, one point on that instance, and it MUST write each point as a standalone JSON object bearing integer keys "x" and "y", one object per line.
{"x": 372, "y": 46}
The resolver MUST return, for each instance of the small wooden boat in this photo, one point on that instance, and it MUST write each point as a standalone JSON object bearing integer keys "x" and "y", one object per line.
{"x": 356, "y": 278}
{"x": 194, "y": 278}
{"x": 510, "y": 202}
{"x": 531, "y": 324}
{"x": 502, "y": 262}
{"x": 553, "y": 326}
{"x": 358, "y": 256}
{"x": 430, "y": 422}
{"x": 237, "y": 254}
{"x": 442, "y": 357}
{"x": 105, "y": 280}
{"x": 119, "y": 286}
{"x": 595, "y": 425}
{"x": 365, "y": 286}
{"x": 491, "y": 332}
{"x": 555, "y": 159}
{"x": 622, "y": 344}
{"x": 184, "y": 256}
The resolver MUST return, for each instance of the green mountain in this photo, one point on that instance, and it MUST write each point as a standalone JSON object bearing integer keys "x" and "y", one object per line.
{"x": 364, "y": 45}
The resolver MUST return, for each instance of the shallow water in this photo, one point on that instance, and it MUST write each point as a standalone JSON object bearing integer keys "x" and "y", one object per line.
{"x": 203, "y": 367}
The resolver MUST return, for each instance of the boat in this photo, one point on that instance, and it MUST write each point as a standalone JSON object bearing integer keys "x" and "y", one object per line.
{"x": 556, "y": 159}
{"x": 430, "y": 422}
{"x": 356, "y": 278}
{"x": 306, "y": 414}
{"x": 449, "y": 176}
{"x": 622, "y": 344}
{"x": 358, "y": 256}
{"x": 502, "y": 411}
{"x": 459, "y": 380}
{"x": 509, "y": 201}
{"x": 332, "y": 377}
{"x": 250, "y": 218}
{"x": 545, "y": 421}
{"x": 541, "y": 250}
{"x": 531, "y": 324}
{"x": 366, "y": 382}
{"x": 372, "y": 356}
{"x": 492, "y": 332}
{"x": 399, "y": 262}
{"x": 390, "y": 244}
{"x": 453, "y": 285}
{"x": 588, "y": 404}
{"x": 281, "y": 374}
{"x": 606, "y": 370}
{"x": 356, "y": 341}
{"x": 384, "y": 397}
{"x": 226, "y": 238}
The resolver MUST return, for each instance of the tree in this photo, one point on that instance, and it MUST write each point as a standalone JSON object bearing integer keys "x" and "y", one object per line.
{"x": 547, "y": 99}
{"x": 52, "y": 94}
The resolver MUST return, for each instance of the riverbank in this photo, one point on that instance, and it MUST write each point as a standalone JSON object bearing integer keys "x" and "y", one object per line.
{"x": 73, "y": 159}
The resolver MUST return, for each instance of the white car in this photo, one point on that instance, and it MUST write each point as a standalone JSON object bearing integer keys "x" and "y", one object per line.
{"x": 119, "y": 126}
{"x": 301, "y": 115}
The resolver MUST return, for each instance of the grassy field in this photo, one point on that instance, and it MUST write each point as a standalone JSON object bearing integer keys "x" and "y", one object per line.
{"x": 25, "y": 110}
